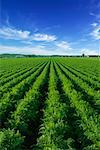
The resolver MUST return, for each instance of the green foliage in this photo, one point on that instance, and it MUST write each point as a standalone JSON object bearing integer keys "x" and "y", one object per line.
{"x": 9, "y": 140}
{"x": 9, "y": 100}
{"x": 50, "y": 103}
{"x": 27, "y": 110}
{"x": 89, "y": 119}
{"x": 54, "y": 127}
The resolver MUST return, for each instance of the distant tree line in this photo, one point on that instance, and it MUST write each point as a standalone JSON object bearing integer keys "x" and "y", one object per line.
{"x": 30, "y": 56}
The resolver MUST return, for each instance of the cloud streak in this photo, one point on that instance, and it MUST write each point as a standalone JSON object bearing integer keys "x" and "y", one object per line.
{"x": 9, "y": 33}
{"x": 63, "y": 45}
{"x": 37, "y": 50}
{"x": 89, "y": 51}
{"x": 42, "y": 50}
{"x": 15, "y": 34}
{"x": 43, "y": 37}
{"x": 96, "y": 31}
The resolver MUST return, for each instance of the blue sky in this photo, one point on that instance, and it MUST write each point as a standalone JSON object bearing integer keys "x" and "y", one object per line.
{"x": 50, "y": 27}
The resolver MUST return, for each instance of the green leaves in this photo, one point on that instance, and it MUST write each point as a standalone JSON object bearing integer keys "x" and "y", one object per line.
{"x": 62, "y": 115}
{"x": 9, "y": 140}
{"x": 54, "y": 128}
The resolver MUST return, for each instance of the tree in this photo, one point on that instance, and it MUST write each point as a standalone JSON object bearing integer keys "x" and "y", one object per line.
{"x": 83, "y": 55}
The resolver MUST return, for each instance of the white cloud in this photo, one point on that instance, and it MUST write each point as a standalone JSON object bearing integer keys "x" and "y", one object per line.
{"x": 94, "y": 24}
{"x": 43, "y": 50}
{"x": 96, "y": 31}
{"x": 92, "y": 14}
{"x": 89, "y": 51}
{"x": 22, "y": 50}
{"x": 44, "y": 37}
{"x": 38, "y": 50}
{"x": 12, "y": 33}
{"x": 63, "y": 45}
{"x": 97, "y": 16}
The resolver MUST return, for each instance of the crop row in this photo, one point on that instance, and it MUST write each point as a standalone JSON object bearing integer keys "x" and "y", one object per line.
{"x": 84, "y": 66}
{"x": 14, "y": 66}
{"x": 26, "y": 112}
{"x": 48, "y": 105}
{"x": 8, "y": 102}
{"x": 55, "y": 130}
{"x": 9, "y": 85}
{"x": 89, "y": 94}
{"x": 89, "y": 121}
{"x": 87, "y": 79}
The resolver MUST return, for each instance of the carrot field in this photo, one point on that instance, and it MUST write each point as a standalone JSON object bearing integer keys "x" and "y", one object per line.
{"x": 50, "y": 103}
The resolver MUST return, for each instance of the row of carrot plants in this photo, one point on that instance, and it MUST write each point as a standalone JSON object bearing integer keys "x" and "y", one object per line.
{"x": 92, "y": 96}
{"x": 27, "y": 112}
{"x": 83, "y": 66}
{"x": 54, "y": 130}
{"x": 9, "y": 85}
{"x": 87, "y": 79}
{"x": 7, "y": 71}
{"x": 89, "y": 121}
{"x": 51, "y": 106}
{"x": 11, "y": 77}
{"x": 10, "y": 67}
{"x": 8, "y": 102}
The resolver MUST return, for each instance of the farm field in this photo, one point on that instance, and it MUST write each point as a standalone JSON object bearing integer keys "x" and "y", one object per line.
{"x": 50, "y": 104}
